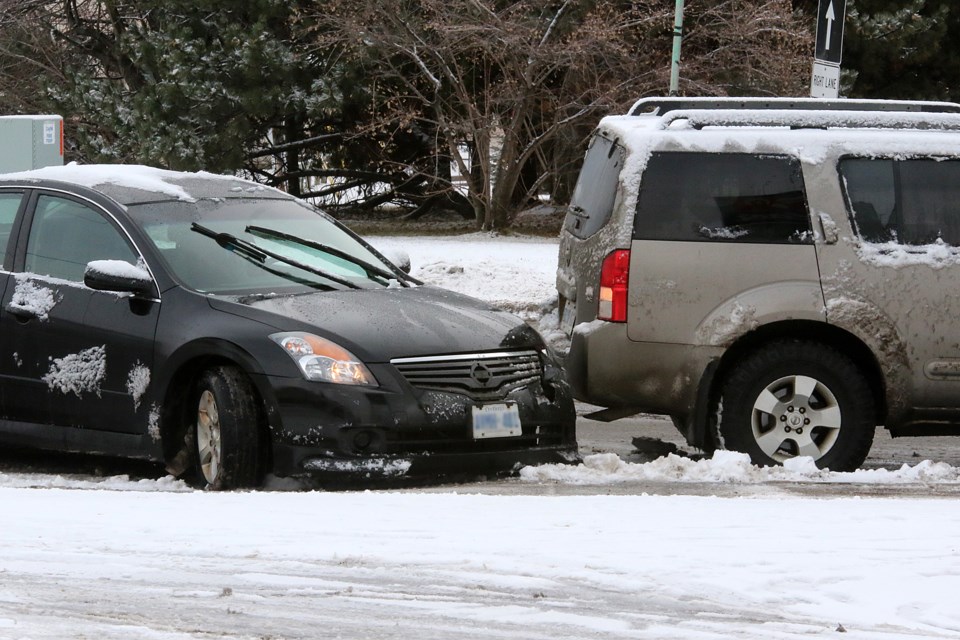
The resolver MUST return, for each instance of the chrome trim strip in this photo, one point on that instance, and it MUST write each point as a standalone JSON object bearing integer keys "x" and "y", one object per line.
{"x": 467, "y": 356}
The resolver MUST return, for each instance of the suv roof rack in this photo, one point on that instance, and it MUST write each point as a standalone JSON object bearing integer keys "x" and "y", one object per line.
{"x": 699, "y": 118}
{"x": 660, "y": 106}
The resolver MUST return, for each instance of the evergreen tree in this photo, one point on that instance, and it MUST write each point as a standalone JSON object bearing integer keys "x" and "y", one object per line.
{"x": 899, "y": 49}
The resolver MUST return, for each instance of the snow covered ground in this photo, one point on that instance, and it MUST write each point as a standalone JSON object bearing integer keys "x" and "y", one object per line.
{"x": 105, "y": 558}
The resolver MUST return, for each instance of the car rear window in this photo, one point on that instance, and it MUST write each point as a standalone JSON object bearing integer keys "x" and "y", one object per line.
{"x": 722, "y": 197}
{"x": 910, "y": 201}
{"x": 596, "y": 190}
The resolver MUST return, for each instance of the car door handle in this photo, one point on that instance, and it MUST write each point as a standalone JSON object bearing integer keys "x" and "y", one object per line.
{"x": 22, "y": 314}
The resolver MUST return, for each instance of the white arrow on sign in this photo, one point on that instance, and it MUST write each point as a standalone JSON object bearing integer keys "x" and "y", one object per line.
{"x": 831, "y": 16}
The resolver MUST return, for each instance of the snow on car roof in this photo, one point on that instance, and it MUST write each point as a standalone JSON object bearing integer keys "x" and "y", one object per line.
{"x": 129, "y": 183}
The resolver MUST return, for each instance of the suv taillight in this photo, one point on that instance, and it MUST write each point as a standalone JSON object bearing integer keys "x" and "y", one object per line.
{"x": 614, "y": 278}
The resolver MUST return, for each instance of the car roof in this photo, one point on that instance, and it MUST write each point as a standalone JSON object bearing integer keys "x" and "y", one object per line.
{"x": 132, "y": 184}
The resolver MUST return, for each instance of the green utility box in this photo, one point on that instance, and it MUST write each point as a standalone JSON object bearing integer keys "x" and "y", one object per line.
{"x": 30, "y": 142}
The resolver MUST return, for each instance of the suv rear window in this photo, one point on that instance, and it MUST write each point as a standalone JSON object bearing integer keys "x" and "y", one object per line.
{"x": 910, "y": 201}
{"x": 596, "y": 190}
{"x": 722, "y": 197}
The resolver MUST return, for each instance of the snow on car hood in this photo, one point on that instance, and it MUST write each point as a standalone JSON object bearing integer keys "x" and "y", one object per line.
{"x": 380, "y": 324}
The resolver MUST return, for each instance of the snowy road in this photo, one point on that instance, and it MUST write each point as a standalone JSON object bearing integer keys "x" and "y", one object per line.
{"x": 768, "y": 554}
{"x": 106, "y": 564}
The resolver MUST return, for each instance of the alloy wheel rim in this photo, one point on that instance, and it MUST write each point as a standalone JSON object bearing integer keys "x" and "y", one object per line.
{"x": 208, "y": 437}
{"x": 796, "y": 416}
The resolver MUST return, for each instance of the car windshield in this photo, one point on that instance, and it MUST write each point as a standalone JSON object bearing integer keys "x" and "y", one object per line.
{"x": 242, "y": 246}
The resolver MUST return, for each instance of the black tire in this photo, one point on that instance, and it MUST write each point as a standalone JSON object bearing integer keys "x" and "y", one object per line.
{"x": 795, "y": 398}
{"x": 228, "y": 431}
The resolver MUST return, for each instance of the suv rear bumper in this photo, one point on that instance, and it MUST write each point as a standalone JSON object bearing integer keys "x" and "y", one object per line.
{"x": 606, "y": 368}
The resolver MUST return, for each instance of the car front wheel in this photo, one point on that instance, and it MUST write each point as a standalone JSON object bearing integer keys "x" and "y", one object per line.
{"x": 228, "y": 430}
{"x": 796, "y": 398}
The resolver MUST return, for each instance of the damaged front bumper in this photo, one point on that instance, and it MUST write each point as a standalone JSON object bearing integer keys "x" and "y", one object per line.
{"x": 397, "y": 431}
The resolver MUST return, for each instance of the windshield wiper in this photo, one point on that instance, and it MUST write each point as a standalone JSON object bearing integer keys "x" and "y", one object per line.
{"x": 372, "y": 270}
{"x": 232, "y": 242}
{"x": 250, "y": 250}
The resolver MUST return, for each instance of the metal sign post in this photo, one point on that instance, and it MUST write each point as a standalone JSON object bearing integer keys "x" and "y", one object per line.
{"x": 677, "y": 39}
{"x": 828, "y": 51}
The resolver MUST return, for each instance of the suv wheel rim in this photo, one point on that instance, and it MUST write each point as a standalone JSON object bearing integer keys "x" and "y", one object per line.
{"x": 208, "y": 437}
{"x": 796, "y": 416}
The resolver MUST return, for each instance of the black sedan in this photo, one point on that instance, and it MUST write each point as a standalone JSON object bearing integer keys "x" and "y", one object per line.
{"x": 231, "y": 331}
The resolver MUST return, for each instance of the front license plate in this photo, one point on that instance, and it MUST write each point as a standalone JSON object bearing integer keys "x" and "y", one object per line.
{"x": 496, "y": 421}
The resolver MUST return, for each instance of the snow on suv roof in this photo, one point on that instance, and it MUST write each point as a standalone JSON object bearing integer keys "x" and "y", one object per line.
{"x": 804, "y": 127}
{"x": 130, "y": 184}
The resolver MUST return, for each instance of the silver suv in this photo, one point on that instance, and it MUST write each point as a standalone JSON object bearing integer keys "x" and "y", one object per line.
{"x": 778, "y": 276}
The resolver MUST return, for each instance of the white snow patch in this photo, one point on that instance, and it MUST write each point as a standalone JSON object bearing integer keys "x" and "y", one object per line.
{"x": 153, "y": 423}
{"x": 137, "y": 382}
{"x": 166, "y": 484}
{"x": 33, "y": 298}
{"x": 119, "y": 269}
{"x": 936, "y": 255}
{"x": 728, "y": 325}
{"x": 78, "y": 372}
{"x": 723, "y": 233}
{"x": 366, "y": 467}
{"x": 124, "y": 175}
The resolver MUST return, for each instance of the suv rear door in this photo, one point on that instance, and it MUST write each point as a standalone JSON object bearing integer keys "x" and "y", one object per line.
{"x": 591, "y": 207}
{"x": 722, "y": 243}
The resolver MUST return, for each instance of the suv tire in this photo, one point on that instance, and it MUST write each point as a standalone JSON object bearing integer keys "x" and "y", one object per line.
{"x": 793, "y": 398}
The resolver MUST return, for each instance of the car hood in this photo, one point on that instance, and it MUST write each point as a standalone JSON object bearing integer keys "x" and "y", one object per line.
{"x": 380, "y": 324}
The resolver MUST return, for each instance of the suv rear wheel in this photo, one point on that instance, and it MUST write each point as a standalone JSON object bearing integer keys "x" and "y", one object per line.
{"x": 795, "y": 398}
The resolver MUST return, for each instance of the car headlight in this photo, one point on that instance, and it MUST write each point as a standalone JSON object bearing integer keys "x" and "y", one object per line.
{"x": 322, "y": 360}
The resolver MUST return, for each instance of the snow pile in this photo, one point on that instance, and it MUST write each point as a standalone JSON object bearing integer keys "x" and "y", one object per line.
{"x": 729, "y": 467}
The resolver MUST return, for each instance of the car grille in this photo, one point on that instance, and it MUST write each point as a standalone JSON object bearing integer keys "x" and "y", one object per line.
{"x": 481, "y": 376}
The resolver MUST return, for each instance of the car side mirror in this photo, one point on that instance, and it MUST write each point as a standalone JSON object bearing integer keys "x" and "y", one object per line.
{"x": 118, "y": 276}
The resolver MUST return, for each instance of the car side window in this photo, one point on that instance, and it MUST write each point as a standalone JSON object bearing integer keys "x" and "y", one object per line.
{"x": 722, "y": 197}
{"x": 596, "y": 191}
{"x": 910, "y": 201}
{"x": 9, "y": 205}
{"x": 871, "y": 197}
{"x": 65, "y": 235}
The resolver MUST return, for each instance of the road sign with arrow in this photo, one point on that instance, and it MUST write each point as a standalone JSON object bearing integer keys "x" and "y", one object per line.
{"x": 830, "y": 30}
{"x": 825, "y": 82}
